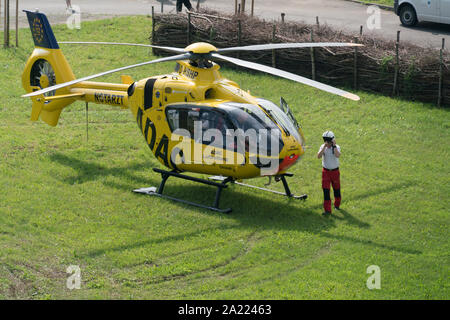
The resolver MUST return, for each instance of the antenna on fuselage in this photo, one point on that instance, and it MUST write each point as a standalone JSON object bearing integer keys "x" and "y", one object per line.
{"x": 87, "y": 121}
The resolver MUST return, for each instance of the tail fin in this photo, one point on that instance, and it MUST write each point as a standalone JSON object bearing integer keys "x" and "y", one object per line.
{"x": 42, "y": 32}
{"x": 46, "y": 67}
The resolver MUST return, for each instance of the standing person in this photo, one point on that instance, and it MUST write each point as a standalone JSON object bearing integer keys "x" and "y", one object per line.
{"x": 330, "y": 153}
{"x": 69, "y": 8}
{"x": 187, "y": 4}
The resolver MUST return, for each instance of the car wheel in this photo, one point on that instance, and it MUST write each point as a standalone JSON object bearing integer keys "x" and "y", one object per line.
{"x": 408, "y": 16}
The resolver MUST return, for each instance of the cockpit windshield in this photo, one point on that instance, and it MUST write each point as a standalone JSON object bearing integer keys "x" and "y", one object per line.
{"x": 285, "y": 121}
{"x": 248, "y": 116}
{"x": 250, "y": 119}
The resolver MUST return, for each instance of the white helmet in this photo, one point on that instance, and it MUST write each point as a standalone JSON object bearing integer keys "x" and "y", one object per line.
{"x": 328, "y": 135}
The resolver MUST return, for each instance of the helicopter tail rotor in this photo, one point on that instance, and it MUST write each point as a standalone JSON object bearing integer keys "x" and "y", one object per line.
{"x": 45, "y": 68}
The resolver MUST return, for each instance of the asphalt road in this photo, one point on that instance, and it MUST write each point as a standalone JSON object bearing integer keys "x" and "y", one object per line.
{"x": 341, "y": 14}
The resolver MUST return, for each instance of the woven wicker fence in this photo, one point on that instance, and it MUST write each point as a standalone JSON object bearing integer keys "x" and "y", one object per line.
{"x": 393, "y": 68}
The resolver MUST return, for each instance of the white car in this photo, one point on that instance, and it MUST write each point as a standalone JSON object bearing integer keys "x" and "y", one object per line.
{"x": 413, "y": 11}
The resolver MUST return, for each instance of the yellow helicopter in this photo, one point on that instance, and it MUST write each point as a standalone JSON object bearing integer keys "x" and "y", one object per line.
{"x": 193, "y": 119}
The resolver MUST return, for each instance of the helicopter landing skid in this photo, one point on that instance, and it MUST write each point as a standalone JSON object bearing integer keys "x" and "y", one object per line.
{"x": 287, "y": 192}
{"x": 153, "y": 191}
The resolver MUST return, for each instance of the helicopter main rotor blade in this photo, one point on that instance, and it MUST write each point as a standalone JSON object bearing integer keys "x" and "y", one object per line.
{"x": 289, "y": 46}
{"x": 269, "y": 46}
{"x": 171, "y": 49}
{"x": 288, "y": 75}
{"x": 66, "y": 84}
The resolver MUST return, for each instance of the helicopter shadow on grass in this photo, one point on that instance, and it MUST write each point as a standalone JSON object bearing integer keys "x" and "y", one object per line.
{"x": 257, "y": 211}
{"x": 91, "y": 170}
{"x": 253, "y": 210}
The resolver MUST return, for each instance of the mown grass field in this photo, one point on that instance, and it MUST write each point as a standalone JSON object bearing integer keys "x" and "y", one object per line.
{"x": 65, "y": 201}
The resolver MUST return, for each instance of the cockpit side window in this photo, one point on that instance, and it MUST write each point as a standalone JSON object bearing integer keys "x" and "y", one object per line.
{"x": 187, "y": 117}
{"x": 182, "y": 118}
{"x": 248, "y": 116}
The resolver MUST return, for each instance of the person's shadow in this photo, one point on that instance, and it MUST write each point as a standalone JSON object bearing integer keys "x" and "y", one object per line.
{"x": 343, "y": 214}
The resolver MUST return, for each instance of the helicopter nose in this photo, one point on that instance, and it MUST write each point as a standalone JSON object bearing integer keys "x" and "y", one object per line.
{"x": 288, "y": 161}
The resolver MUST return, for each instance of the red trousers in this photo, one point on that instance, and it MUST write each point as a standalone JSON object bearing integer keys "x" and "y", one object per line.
{"x": 331, "y": 178}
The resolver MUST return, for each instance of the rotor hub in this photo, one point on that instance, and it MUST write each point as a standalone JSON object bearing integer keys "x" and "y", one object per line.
{"x": 201, "y": 48}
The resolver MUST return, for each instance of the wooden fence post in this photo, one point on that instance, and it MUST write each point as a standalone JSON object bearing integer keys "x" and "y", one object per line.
{"x": 153, "y": 28}
{"x": 243, "y": 6}
{"x": 211, "y": 34}
{"x": 282, "y": 17}
{"x": 17, "y": 23}
{"x": 441, "y": 72}
{"x": 355, "y": 67}
{"x": 397, "y": 63}
{"x": 189, "y": 29}
{"x": 239, "y": 36}
{"x": 9, "y": 20}
{"x": 6, "y": 25}
{"x": 317, "y": 20}
{"x": 313, "y": 58}
{"x": 274, "y": 58}
{"x": 162, "y": 6}
{"x": 198, "y": 5}
{"x": 235, "y": 7}
{"x": 253, "y": 7}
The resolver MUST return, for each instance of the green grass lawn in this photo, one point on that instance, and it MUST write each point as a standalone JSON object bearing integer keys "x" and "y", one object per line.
{"x": 66, "y": 201}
